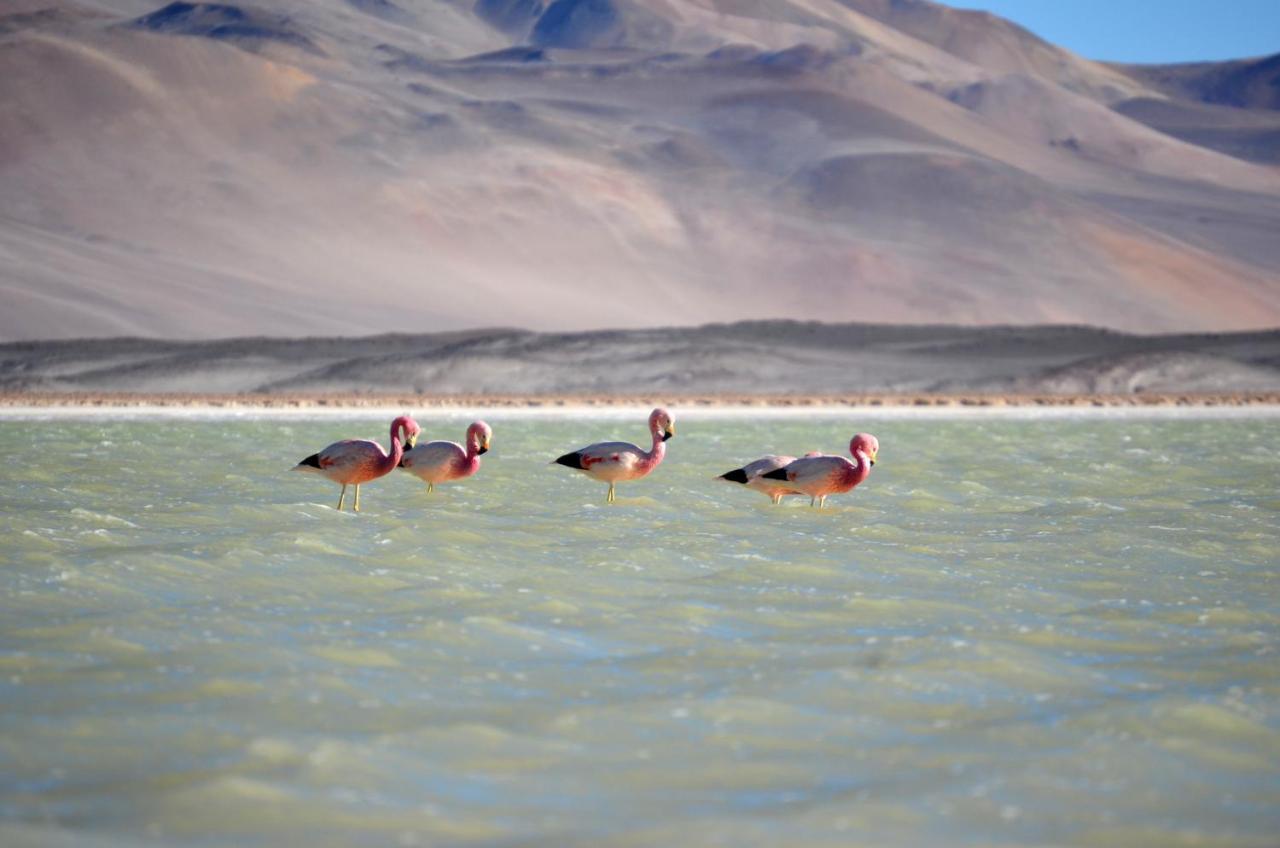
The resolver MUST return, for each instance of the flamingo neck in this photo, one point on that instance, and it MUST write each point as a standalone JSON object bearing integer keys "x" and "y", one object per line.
{"x": 659, "y": 449}
{"x": 861, "y": 467}
{"x": 397, "y": 451}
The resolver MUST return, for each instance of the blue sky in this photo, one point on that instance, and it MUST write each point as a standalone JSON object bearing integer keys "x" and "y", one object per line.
{"x": 1147, "y": 30}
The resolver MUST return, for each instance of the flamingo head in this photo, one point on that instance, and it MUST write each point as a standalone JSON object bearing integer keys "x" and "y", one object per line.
{"x": 479, "y": 434}
{"x": 866, "y": 443}
{"x": 407, "y": 430}
{"x": 660, "y": 422}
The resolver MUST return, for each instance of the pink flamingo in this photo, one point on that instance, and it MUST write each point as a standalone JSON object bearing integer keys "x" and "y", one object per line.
{"x": 752, "y": 476}
{"x": 440, "y": 462}
{"x": 819, "y": 476}
{"x": 614, "y": 461}
{"x": 356, "y": 461}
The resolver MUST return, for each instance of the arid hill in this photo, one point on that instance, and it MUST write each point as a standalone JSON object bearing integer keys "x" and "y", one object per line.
{"x": 344, "y": 167}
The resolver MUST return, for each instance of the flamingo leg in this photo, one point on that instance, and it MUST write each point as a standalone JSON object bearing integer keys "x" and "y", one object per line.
{"x": 777, "y": 499}
{"x": 357, "y": 504}
{"x": 342, "y": 496}
{"x": 612, "y": 496}
{"x": 431, "y": 487}
{"x": 822, "y": 501}
{"x": 813, "y": 501}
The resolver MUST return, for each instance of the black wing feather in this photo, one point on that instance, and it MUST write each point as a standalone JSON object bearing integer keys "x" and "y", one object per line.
{"x": 573, "y": 460}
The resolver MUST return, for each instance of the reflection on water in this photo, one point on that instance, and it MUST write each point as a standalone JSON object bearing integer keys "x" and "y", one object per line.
{"x": 1015, "y": 632}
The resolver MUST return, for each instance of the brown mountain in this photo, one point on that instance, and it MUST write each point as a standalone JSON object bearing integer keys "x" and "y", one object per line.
{"x": 352, "y": 166}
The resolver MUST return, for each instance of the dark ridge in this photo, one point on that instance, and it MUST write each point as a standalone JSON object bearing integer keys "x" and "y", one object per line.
{"x": 511, "y": 54}
{"x": 572, "y": 460}
{"x": 803, "y": 357}
{"x": 734, "y": 53}
{"x": 776, "y": 474}
{"x": 737, "y": 475}
{"x": 224, "y": 22}
{"x": 802, "y": 57}
{"x": 384, "y": 9}
{"x": 43, "y": 19}
{"x": 1241, "y": 83}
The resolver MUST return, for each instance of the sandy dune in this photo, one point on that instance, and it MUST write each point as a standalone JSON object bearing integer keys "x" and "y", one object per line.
{"x": 343, "y": 167}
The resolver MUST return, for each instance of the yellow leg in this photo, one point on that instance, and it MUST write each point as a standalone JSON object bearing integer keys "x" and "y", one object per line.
{"x": 342, "y": 496}
{"x": 431, "y": 487}
{"x": 357, "y": 506}
{"x": 777, "y": 499}
{"x": 611, "y": 494}
{"x": 822, "y": 501}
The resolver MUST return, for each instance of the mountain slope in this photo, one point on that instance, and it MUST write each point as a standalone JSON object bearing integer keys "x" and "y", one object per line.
{"x": 350, "y": 166}
{"x": 1243, "y": 83}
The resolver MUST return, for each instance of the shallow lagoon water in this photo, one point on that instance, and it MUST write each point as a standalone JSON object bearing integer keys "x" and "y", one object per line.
{"x": 1018, "y": 631}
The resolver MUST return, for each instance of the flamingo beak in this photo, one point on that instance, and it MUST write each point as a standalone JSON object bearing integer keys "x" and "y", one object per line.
{"x": 873, "y": 458}
{"x": 484, "y": 447}
{"x": 669, "y": 432}
{"x": 410, "y": 441}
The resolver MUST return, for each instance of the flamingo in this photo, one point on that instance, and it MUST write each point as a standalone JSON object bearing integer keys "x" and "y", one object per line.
{"x": 356, "y": 461}
{"x": 614, "y": 461}
{"x": 752, "y": 476}
{"x": 440, "y": 462}
{"x": 819, "y": 476}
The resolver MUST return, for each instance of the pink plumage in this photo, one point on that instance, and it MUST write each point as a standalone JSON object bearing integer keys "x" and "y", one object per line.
{"x": 440, "y": 461}
{"x": 752, "y": 475}
{"x": 355, "y": 461}
{"x": 610, "y": 462}
{"x": 820, "y": 476}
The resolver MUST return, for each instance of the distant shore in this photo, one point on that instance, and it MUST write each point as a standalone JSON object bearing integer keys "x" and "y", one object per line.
{"x": 128, "y": 400}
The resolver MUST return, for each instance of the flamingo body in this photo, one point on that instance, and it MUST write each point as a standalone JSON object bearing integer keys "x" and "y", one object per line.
{"x": 611, "y": 462}
{"x": 349, "y": 461}
{"x": 752, "y": 475}
{"x": 823, "y": 475}
{"x": 441, "y": 461}
{"x": 356, "y": 461}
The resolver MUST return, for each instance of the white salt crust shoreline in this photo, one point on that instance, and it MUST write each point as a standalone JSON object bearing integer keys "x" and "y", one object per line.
{"x": 895, "y": 411}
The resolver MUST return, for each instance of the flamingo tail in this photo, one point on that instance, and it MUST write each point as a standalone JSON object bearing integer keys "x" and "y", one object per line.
{"x": 776, "y": 474}
{"x": 737, "y": 475}
{"x": 572, "y": 460}
{"x": 309, "y": 463}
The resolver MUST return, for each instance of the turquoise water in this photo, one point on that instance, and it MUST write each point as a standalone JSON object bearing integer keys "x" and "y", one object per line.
{"x": 1058, "y": 631}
